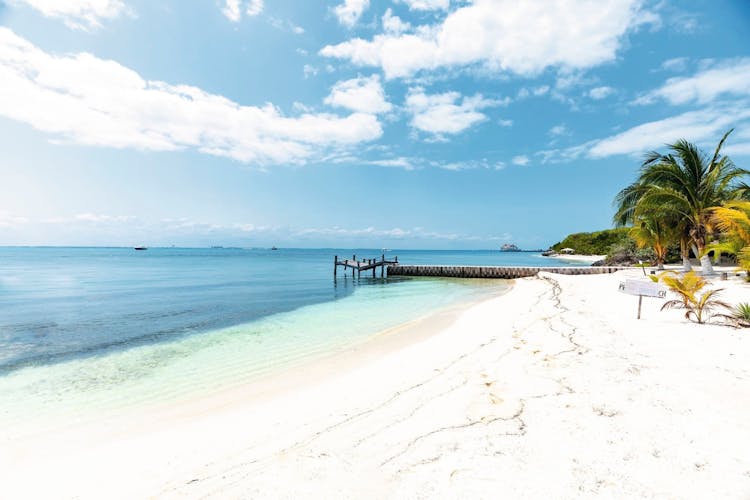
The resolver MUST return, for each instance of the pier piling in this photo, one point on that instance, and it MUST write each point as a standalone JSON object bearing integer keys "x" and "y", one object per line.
{"x": 357, "y": 266}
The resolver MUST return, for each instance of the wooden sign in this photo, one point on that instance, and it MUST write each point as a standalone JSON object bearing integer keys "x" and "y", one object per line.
{"x": 643, "y": 288}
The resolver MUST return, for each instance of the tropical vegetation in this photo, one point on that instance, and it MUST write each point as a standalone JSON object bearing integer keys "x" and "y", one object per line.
{"x": 740, "y": 315}
{"x": 675, "y": 199}
{"x": 596, "y": 243}
{"x": 733, "y": 220}
{"x": 699, "y": 307}
{"x": 657, "y": 233}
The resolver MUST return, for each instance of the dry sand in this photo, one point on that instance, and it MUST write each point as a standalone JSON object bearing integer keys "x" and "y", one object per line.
{"x": 553, "y": 390}
{"x": 588, "y": 259}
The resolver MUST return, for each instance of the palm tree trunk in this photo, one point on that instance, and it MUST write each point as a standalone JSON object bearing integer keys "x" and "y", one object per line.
{"x": 686, "y": 266}
{"x": 707, "y": 268}
{"x": 684, "y": 250}
{"x": 660, "y": 252}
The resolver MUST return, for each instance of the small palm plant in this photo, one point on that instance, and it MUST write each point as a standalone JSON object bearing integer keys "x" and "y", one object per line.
{"x": 740, "y": 315}
{"x": 699, "y": 307}
{"x": 686, "y": 286}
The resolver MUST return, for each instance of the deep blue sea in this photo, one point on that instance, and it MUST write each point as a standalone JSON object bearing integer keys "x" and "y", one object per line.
{"x": 77, "y": 324}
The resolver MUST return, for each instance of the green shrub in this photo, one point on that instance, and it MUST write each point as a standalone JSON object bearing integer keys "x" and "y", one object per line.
{"x": 627, "y": 253}
{"x": 596, "y": 243}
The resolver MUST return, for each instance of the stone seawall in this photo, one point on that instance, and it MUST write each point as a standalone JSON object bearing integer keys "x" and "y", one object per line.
{"x": 494, "y": 271}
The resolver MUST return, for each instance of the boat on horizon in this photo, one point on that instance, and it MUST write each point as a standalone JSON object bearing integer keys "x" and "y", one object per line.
{"x": 140, "y": 248}
{"x": 274, "y": 248}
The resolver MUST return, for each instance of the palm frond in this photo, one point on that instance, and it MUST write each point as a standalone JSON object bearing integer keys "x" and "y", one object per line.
{"x": 717, "y": 152}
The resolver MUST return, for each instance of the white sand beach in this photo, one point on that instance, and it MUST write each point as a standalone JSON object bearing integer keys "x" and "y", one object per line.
{"x": 553, "y": 390}
{"x": 588, "y": 259}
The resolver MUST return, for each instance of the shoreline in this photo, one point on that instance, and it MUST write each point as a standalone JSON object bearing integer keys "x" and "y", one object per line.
{"x": 308, "y": 371}
{"x": 554, "y": 375}
{"x": 316, "y": 369}
{"x": 200, "y": 365}
{"x": 589, "y": 259}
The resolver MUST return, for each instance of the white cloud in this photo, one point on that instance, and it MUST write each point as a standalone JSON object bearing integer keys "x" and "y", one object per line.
{"x": 78, "y": 14}
{"x": 394, "y": 24}
{"x": 349, "y": 12}
{"x": 740, "y": 149}
{"x": 254, "y": 8}
{"x": 301, "y": 108}
{"x": 98, "y": 218}
{"x": 232, "y": 10}
{"x": 395, "y": 233}
{"x": 703, "y": 127}
{"x": 364, "y": 94}
{"x": 92, "y": 101}
{"x": 731, "y": 77}
{"x": 414, "y": 163}
{"x": 427, "y": 4}
{"x": 599, "y": 93}
{"x": 523, "y": 93}
{"x": 504, "y": 35}
{"x": 675, "y": 64}
{"x": 684, "y": 22}
{"x": 400, "y": 162}
{"x": 458, "y": 166}
{"x": 285, "y": 25}
{"x": 446, "y": 113}
{"x": 521, "y": 160}
{"x": 567, "y": 80}
{"x": 505, "y": 123}
{"x": 559, "y": 130}
{"x": 309, "y": 70}
{"x": 695, "y": 126}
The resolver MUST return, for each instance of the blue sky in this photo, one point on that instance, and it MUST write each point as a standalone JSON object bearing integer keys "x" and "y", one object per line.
{"x": 351, "y": 123}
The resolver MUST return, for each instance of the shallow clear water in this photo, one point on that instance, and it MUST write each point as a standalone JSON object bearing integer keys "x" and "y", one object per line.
{"x": 85, "y": 328}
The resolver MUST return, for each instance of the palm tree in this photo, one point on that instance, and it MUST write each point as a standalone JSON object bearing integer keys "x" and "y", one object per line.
{"x": 683, "y": 185}
{"x": 654, "y": 232}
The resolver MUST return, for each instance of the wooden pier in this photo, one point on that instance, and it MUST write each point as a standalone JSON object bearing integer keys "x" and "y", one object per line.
{"x": 357, "y": 266}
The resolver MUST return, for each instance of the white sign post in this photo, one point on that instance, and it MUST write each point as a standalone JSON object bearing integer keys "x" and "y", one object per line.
{"x": 643, "y": 289}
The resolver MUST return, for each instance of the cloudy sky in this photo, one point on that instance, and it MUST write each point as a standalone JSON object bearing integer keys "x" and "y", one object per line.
{"x": 351, "y": 123}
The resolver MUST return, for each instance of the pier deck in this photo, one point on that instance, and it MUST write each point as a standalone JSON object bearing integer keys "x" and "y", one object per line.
{"x": 363, "y": 265}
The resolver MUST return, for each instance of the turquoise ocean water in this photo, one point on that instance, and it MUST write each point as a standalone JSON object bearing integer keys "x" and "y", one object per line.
{"x": 100, "y": 328}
